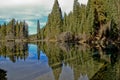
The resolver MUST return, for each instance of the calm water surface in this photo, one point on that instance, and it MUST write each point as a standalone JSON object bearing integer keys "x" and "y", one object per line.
{"x": 50, "y": 61}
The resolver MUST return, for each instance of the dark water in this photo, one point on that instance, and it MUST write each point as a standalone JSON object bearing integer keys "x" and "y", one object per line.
{"x": 53, "y": 61}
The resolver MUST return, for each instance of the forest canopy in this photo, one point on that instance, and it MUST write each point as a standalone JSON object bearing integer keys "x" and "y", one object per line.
{"x": 99, "y": 20}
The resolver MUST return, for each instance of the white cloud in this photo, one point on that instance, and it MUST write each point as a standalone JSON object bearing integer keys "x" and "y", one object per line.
{"x": 32, "y": 8}
{"x": 66, "y": 5}
{"x": 46, "y": 4}
{"x": 83, "y": 1}
{"x": 42, "y": 24}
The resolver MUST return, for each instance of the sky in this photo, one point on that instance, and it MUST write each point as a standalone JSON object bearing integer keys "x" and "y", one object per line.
{"x": 31, "y": 11}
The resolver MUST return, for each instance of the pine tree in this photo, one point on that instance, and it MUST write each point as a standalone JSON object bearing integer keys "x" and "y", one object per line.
{"x": 25, "y": 30}
{"x": 38, "y": 29}
{"x": 65, "y": 24}
{"x": 3, "y": 30}
{"x": 17, "y": 30}
{"x": 54, "y": 24}
{"x": 77, "y": 16}
{"x": 0, "y": 32}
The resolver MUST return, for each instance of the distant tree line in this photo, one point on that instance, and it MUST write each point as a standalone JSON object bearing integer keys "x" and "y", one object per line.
{"x": 99, "y": 20}
{"x": 14, "y": 30}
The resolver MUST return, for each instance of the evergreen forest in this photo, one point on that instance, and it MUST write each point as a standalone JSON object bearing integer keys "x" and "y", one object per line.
{"x": 96, "y": 22}
{"x": 14, "y": 30}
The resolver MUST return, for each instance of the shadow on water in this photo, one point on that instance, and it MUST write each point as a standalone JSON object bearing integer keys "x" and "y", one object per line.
{"x": 108, "y": 53}
{"x": 64, "y": 61}
{"x": 110, "y": 56}
{"x": 3, "y": 75}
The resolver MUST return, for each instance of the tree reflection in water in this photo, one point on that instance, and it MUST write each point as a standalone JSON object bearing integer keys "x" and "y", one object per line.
{"x": 69, "y": 61}
{"x": 14, "y": 50}
{"x": 85, "y": 61}
{"x": 110, "y": 56}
